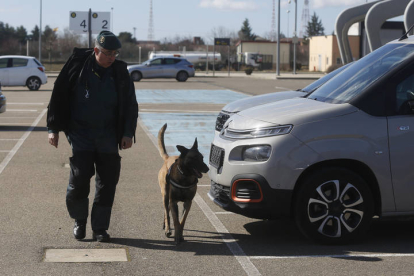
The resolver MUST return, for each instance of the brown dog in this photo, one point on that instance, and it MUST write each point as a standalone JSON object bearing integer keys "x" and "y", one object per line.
{"x": 178, "y": 179}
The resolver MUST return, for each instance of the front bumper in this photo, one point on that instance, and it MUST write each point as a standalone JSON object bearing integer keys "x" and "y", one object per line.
{"x": 256, "y": 200}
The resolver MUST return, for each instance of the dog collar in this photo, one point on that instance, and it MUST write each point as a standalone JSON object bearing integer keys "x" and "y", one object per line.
{"x": 175, "y": 184}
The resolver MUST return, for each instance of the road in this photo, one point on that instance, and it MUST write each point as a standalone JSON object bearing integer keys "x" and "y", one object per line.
{"x": 34, "y": 220}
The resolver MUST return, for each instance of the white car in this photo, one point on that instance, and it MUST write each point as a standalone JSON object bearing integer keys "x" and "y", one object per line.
{"x": 22, "y": 71}
{"x": 331, "y": 160}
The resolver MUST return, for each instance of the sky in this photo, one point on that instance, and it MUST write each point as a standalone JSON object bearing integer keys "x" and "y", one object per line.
{"x": 173, "y": 18}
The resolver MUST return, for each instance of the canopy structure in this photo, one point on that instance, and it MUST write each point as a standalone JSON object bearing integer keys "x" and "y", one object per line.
{"x": 374, "y": 14}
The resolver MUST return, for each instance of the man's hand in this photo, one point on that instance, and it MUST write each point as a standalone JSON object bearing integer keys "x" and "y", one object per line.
{"x": 54, "y": 139}
{"x": 126, "y": 142}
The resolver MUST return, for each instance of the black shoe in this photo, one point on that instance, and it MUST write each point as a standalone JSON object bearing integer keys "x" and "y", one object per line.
{"x": 79, "y": 230}
{"x": 101, "y": 236}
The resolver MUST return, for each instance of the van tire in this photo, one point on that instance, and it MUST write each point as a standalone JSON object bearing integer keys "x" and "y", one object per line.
{"x": 333, "y": 206}
{"x": 33, "y": 83}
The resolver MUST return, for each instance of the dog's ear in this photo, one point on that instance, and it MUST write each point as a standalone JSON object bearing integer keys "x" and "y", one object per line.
{"x": 183, "y": 150}
{"x": 195, "y": 146}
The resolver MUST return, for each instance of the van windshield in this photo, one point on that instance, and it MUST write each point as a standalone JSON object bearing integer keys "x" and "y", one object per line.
{"x": 314, "y": 85}
{"x": 364, "y": 72}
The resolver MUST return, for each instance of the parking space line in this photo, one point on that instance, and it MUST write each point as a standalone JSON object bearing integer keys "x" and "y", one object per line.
{"x": 9, "y": 156}
{"x": 21, "y": 110}
{"x": 227, "y": 238}
{"x": 26, "y": 103}
{"x": 14, "y": 123}
{"x": 333, "y": 256}
{"x": 173, "y": 110}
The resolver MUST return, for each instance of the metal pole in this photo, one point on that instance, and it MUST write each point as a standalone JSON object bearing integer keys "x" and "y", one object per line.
{"x": 214, "y": 58}
{"x": 40, "y": 33}
{"x": 27, "y": 48}
{"x": 278, "y": 40}
{"x": 89, "y": 28}
{"x": 112, "y": 21}
{"x": 207, "y": 59}
{"x": 295, "y": 37}
{"x": 228, "y": 59}
{"x": 140, "y": 55}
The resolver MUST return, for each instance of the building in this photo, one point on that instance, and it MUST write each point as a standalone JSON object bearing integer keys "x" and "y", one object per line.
{"x": 266, "y": 48}
{"x": 324, "y": 51}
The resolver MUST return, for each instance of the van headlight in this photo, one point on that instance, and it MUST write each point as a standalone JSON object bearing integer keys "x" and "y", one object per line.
{"x": 256, "y": 153}
{"x": 256, "y": 133}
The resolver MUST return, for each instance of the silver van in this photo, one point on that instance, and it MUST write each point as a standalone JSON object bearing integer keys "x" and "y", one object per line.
{"x": 331, "y": 160}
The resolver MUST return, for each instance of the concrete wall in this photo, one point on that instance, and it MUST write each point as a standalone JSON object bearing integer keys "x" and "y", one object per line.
{"x": 324, "y": 51}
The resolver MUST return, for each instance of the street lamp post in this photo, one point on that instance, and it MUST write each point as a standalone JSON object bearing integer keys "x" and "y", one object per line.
{"x": 278, "y": 40}
{"x": 40, "y": 33}
{"x": 287, "y": 34}
{"x": 295, "y": 38}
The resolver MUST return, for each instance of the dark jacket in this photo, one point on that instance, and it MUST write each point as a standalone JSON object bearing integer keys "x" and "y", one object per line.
{"x": 58, "y": 114}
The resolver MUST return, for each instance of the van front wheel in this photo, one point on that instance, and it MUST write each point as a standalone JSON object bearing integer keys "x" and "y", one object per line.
{"x": 334, "y": 206}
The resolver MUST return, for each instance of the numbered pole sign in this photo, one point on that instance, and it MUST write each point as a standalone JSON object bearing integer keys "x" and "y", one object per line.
{"x": 79, "y": 20}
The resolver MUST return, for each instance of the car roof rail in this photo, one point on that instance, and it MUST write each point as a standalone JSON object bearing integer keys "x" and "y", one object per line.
{"x": 405, "y": 36}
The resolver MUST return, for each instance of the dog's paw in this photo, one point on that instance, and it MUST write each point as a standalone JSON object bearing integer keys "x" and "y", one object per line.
{"x": 168, "y": 234}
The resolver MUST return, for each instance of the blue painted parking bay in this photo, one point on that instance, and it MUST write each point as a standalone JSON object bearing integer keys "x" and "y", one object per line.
{"x": 188, "y": 96}
{"x": 183, "y": 128}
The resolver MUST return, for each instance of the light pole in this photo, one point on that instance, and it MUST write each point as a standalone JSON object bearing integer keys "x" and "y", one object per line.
{"x": 295, "y": 38}
{"x": 287, "y": 35}
{"x": 112, "y": 21}
{"x": 40, "y": 33}
{"x": 134, "y": 33}
{"x": 278, "y": 39}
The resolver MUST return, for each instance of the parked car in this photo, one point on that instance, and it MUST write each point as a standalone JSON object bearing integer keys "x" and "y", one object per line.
{"x": 22, "y": 71}
{"x": 177, "y": 68}
{"x": 245, "y": 103}
{"x": 331, "y": 160}
{"x": 2, "y": 101}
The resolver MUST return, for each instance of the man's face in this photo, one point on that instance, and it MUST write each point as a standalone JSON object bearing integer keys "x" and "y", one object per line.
{"x": 104, "y": 57}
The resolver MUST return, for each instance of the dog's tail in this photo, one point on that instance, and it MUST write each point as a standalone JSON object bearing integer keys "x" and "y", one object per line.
{"x": 161, "y": 145}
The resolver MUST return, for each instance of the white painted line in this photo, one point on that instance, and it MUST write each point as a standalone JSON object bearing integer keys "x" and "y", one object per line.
{"x": 228, "y": 239}
{"x": 27, "y": 103}
{"x": 224, "y": 213}
{"x": 331, "y": 256}
{"x": 85, "y": 255}
{"x": 21, "y": 110}
{"x": 178, "y": 111}
{"x": 17, "y": 117}
{"x": 283, "y": 88}
{"x": 9, "y": 156}
{"x": 14, "y": 123}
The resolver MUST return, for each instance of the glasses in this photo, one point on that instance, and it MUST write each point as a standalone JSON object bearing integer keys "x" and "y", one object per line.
{"x": 111, "y": 54}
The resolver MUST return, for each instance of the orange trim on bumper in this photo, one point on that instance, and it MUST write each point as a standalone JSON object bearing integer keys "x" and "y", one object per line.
{"x": 236, "y": 199}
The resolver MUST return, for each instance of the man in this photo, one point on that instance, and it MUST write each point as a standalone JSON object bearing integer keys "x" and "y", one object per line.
{"x": 94, "y": 103}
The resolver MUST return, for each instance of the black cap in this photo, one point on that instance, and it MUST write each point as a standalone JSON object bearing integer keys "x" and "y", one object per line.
{"x": 108, "y": 40}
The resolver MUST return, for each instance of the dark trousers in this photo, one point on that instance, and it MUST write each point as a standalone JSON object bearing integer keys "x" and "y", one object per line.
{"x": 83, "y": 164}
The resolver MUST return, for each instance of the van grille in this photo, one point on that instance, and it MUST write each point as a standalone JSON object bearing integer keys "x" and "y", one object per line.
{"x": 216, "y": 157}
